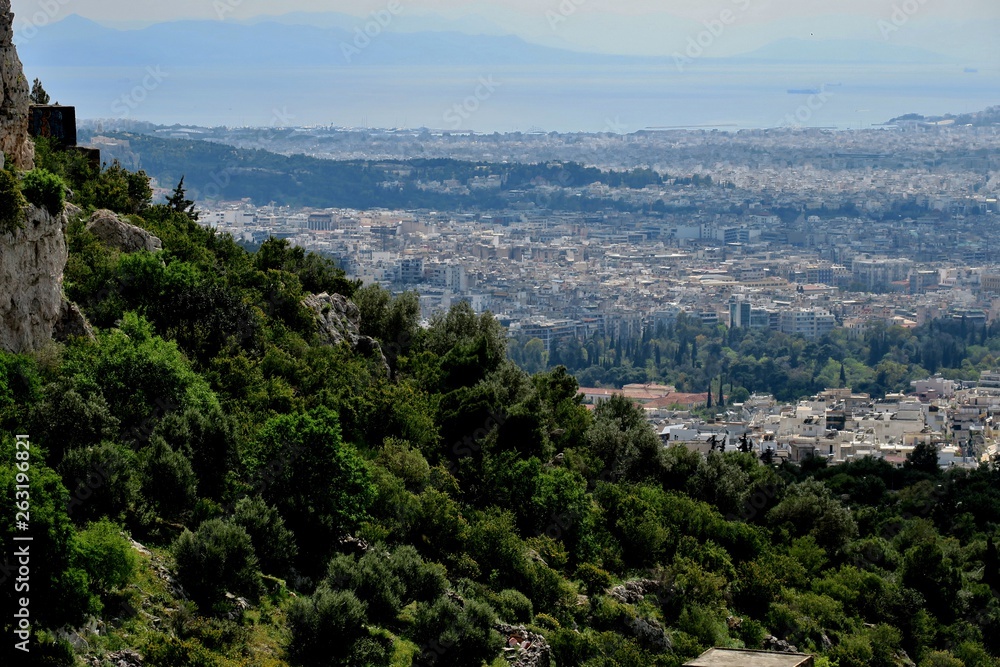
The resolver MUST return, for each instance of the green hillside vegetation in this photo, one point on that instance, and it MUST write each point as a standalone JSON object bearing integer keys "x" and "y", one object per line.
{"x": 219, "y": 171}
{"x": 302, "y": 504}
{"x": 693, "y": 356}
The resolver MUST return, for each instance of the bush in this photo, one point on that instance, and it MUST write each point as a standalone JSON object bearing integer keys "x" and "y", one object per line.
{"x": 168, "y": 480}
{"x": 11, "y": 203}
{"x": 450, "y": 635}
{"x": 514, "y": 606}
{"x": 370, "y": 578}
{"x": 595, "y": 580}
{"x": 45, "y": 190}
{"x": 106, "y": 555}
{"x": 217, "y": 559}
{"x": 103, "y": 481}
{"x": 424, "y": 581}
{"x": 323, "y": 627}
{"x": 274, "y": 543}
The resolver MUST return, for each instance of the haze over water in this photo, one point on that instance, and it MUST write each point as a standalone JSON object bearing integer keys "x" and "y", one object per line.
{"x": 551, "y": 98}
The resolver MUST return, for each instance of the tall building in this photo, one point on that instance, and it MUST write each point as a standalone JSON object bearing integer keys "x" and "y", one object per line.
{"x": 806, "y": 322}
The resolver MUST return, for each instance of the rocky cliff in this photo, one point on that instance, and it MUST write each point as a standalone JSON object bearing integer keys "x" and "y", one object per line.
{"x": 14, "y": 141}
{"x": 32, "y": 260}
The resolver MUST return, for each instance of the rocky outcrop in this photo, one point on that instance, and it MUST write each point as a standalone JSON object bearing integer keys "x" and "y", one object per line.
{"x": 72, "y": 324}
{"x": 123, "y": 658}
{"x": 14, "y": 97}
{"x": 32, "y": 260}
{"x": 772, "y": 643}
{"x": 338, "y": 320}
{"x": 117, "y": 233}
{"x": 632, "y": 592}
{"x": 524, "y": 648}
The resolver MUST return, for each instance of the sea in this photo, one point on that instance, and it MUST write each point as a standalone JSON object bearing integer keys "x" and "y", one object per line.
{"x": 616, "y": 98}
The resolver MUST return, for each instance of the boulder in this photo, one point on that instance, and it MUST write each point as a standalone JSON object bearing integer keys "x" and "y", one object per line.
{"x": 117, "y": 233}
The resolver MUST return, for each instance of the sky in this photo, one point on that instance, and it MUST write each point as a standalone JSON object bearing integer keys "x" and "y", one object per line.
{"x": 957, "y": 28}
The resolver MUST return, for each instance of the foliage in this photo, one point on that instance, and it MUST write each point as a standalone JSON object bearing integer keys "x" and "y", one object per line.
{"x": 455, "y": 635}
{"x": 38, "y": 94}
{"x": 326, "y": 628}
{"x": 12, "y": 203}
{"x": 397, "y": 516}
{"x": 316, "y": 480}
{"x": 44, "y": 189}
{"x": 273, "y": 543}
{"x": 106, "y": 555}
{"x": 217, "y": 559}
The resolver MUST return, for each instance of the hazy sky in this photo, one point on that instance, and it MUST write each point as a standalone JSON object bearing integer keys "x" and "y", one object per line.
{"x": 964, "y": 28}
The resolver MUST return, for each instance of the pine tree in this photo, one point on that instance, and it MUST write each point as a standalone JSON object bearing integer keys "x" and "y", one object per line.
{"x": 38, "y": 94}
{"x": 179, "y": 202}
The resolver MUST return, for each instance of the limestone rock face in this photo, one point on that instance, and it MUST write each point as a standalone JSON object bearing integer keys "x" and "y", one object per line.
{"x": 72, "y": 323}
{"x": 14, "y": 97}
{"x": 338, "y": 320}
{"x": 32, "y": 260}
{"x": 117, "y": 233}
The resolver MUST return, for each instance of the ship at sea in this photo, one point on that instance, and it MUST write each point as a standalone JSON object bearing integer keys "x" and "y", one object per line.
{"x": 804, "y": 91}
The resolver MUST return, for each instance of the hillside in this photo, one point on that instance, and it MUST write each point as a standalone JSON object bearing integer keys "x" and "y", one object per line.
{"x": 318, "y": 480}
{"x": 218, "y": 171}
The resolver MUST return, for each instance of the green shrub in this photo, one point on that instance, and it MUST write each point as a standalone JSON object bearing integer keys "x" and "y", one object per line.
{"x": 166, "y": 651}
{"x": 595, "y": 580}
{"x": 424, "y": 581}
{"x": 106, "y": 555}
{"x": 11, "y": 203}
{"x": 514, "y": 606}
{"x": 450, "y": 635}
{"x": 168, "y": 480}
{"x": 272, "y": 541}
{"x": 217, "y": 559}
{"x": 324, "y": 627}
{"x": 45, "y": 190}
{"x": 370, "y": 578}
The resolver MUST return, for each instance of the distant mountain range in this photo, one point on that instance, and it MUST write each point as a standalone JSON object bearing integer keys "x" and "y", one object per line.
{"x": 333, "y": 40}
